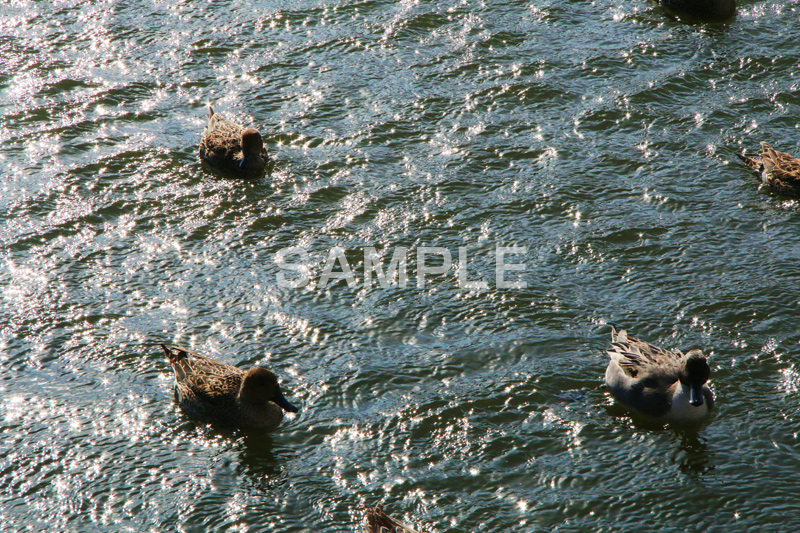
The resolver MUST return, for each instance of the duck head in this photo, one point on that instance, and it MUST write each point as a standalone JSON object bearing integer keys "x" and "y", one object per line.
{"x": 695, "y": 374}
{"x": 260, "y": 386}
{"x": 252, "y": 145}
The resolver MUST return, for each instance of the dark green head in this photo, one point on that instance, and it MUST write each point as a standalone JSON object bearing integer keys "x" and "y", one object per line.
{"x": 695, "y": 374}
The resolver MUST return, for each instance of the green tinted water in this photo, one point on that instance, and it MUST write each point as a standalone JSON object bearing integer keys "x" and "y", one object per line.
{"x": 599, "y": 135}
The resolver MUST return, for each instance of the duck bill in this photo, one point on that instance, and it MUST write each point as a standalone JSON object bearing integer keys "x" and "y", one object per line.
{"x": 245, "y": 162}
{"x": 696, "y": 394}
{"x": 284, "y": 404}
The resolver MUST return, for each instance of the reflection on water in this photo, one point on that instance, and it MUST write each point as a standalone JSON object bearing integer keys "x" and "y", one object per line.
{"x": 599, "y": 137}
{"x": 696, "y": 458}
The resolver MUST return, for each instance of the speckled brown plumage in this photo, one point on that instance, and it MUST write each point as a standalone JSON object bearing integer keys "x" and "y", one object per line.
{"x": 379, "y": 522}
{"x": 777, "y": 169}
{"x": 215, "y": 392}
{"x": 232, "y": 148}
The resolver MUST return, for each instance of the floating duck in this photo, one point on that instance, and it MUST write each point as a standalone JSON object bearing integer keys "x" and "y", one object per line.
{"x": 232, "y": 148}
{"x": 212, "y": 391}
{"x": 662, "y": 384}
{"x": 703, "y": 10}
{"x": 778, "y": 170}
{"x": 379, "y": 522}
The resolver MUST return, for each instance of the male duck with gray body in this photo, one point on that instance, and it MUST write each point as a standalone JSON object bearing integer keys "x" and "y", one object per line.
{"x": 661, "y": 384}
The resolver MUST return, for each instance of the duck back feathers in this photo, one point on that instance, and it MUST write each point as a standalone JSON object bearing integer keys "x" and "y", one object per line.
{"x": 232, "y": 148}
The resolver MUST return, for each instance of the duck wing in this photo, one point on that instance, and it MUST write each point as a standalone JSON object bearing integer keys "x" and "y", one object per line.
{"x": 214, "y": 388}
{"x": 780, "y": 160}
{"x": 640, "y": 359}
{"x": 222, "y": 139}
{"x": 203, "y": 377}
{"x": 781, "y": 170}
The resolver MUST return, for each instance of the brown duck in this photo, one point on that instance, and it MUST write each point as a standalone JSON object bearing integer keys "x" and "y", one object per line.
{"x": 215, "y": 392}
{"x": 232, "y": 148}
{"x": 379, "y": 522}
{"x": 778, "y": 170}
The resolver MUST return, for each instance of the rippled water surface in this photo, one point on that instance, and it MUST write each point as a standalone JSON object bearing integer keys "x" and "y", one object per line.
{"x": 600, "y": 136}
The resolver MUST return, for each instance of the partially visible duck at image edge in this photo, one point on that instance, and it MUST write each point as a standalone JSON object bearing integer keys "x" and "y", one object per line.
{"x": 379, "y": 522}
{"x": 703, "y": 10}
{"x": 777, "y": 169}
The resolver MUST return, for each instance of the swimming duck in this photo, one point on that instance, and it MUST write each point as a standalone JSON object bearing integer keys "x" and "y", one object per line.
{"x": 232, "y": 148}
{"x": 379, "y": 522}
{"x": 703, "y": 10}
{"x": 778, "y": 170}
{"x": 216, "y": 392}
{"x": 659, "y": 383}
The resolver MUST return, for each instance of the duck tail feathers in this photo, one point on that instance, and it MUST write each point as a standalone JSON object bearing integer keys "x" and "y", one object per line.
{"x": 618, "y": 334}
{"x": 172, "y": 353}
{"x": 179, "y": 359}
{"x": 750, "y": 162}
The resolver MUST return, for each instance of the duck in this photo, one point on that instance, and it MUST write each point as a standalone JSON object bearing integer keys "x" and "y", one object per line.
{"x": 379, "y": 522}
{"x": 212, "y": 391}
{"x": 657, "y": 383}
{"x": 702, "y": 10}
{"x": 232, "y": 148}
{"x": 778, "y": 170}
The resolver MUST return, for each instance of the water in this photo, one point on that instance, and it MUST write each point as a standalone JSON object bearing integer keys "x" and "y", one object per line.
{"x": 599, "y": 135}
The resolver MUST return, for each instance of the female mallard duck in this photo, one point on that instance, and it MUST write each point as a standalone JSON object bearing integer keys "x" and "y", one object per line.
{"x": 778, "y": 170}
{"x": 232, "y": 148}
{"x": 379, "y": 522}
{"x": 703, "y": 10}
{"x": 656, "y": 382}
{"x": 215, "y": 392}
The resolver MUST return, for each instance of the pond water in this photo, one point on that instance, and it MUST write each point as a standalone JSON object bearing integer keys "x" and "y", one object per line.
{"x": 599, "y": 136}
